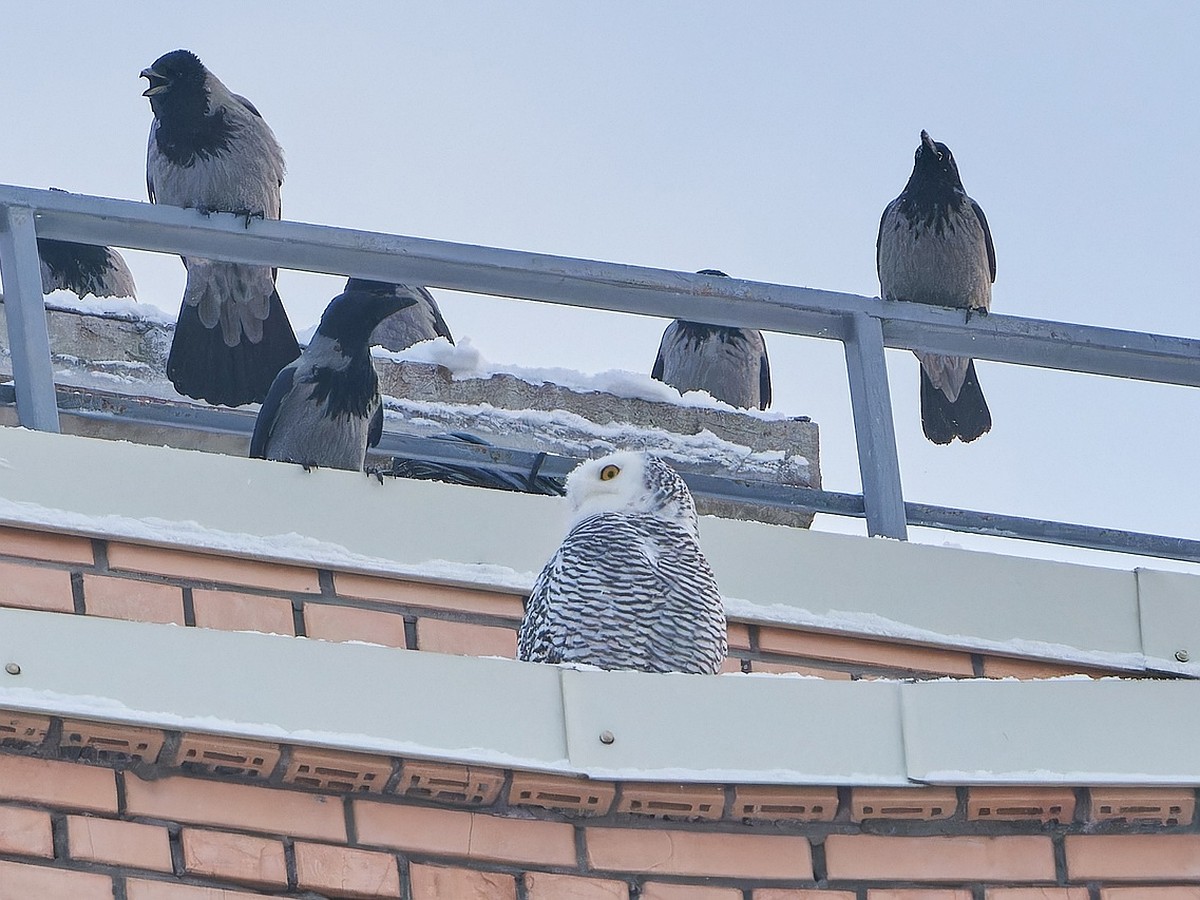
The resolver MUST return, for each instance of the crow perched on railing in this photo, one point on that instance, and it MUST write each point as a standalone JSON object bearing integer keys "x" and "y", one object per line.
{"x": 935, "y": 247}
{"x": 210, "y": 150}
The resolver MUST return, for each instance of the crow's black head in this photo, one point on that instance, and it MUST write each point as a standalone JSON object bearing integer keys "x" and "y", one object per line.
{"x": 353, "y": 315}
{"x": 933, "y": 163}
{"x": 178, "y": 81}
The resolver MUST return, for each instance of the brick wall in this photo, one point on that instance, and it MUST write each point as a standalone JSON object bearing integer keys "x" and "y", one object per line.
{"x": 63, "y": 573}
{"x": 94, "y": 810}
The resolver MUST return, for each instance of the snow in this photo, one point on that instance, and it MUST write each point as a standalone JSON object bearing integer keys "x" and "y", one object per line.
{"x": 465, "y": 361}
{"x": 110, "y": 307}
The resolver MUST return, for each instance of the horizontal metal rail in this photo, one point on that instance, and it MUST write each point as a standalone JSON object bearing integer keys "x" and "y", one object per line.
{"x": 99, "y": 406}
{"x": 864, "y": 325}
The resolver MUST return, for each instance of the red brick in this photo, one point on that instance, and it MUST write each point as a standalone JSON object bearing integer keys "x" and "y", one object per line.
{"x": 676, "y": 801}
{"x": 1020, "y": 804}
{"x": 918, "y": 894}
{"x": 660, "y": 890}
{"x": 241, "y": 858}
{"x": 781, "y": 803}
{"x": 883, "y": 654}
{"x": 902, "y": 803}
{"x": 23, "y": 728}
{"x": 206, "y": 567}
{"x": 788, "y": 668}
{"x": 138, "y": 889}
{"x": 465, "y": 639}
{"x": 730, "y": 665}
{"x": 217, "y": 754}
{"x": 29, "y": 587}
{"x": 55, "y": 783}
{"x": 1127, "y": 857}
{"x": 1039, "y": 893}
{"x": 268, "y": 810}
{"x": 21, "y": 882}
{"x": 25, "y": 832}
{"x": 544, "y": 886}
{"x": 231, "y": 611}
{"x": 802, "y": 894}
{"x": 472, "y": 835}
{"x": 738, "y": 634}
{"x": 874, "y": 857}
{"x": 138, "y": 601}
{"x": 429, "y": 596}
{"x": 326, "y": 622}
{"x": 119, "y": 843}
{"x": 441, "y": 883}
{"x": 450, "y": 783}
{"x": 1173, "y": 892}
{"x": 334, "y": 770}
{"x": 1158, "y": 806}
{"x": 662, "y": 851}
{"x": 575, "y": 795}
{"x": 105, "y": 741}
{"x": 46, "y": 546}
{"x": 344, "y": 872}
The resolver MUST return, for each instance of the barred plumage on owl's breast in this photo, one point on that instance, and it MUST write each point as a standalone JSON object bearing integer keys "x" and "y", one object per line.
{"x": 629, "y": 586}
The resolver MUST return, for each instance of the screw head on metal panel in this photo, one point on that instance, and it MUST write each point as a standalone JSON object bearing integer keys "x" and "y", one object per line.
{"x": 12, "y": 668}
{"x": 607, "y": 737}
{"x": 1182, "y": 655}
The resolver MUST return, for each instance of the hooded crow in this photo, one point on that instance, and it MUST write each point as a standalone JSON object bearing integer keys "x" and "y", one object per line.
{"x": 210, "y": 150}
{"x": 324, "y": 408}
{"x": 420, "y": 322}
{"x": 84, "y": 269}
{"x": 729, "y": 363}
{"x": 934, "y": 246}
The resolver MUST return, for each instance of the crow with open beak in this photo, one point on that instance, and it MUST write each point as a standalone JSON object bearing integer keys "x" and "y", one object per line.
{"x": 210, "y": 150}
{"x": 935, "y": 247}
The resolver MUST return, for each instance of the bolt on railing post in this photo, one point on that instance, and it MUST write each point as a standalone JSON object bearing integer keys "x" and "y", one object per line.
{"x": 874, "y": 430}
{"x": 28, "y": 339}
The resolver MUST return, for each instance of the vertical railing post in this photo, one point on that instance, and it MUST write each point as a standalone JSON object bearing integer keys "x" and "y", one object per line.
{"x": 874, "y": 430}
{"x": 28, "y": 339}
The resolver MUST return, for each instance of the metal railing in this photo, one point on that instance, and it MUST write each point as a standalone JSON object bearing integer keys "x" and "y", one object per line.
{"x": 865, "y": 326}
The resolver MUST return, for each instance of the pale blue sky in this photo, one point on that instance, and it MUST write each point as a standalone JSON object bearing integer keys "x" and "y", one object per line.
{"x": 760, "y": 138}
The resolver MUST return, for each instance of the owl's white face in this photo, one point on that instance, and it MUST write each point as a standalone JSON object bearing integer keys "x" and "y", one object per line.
{"x": 628, "y": 482}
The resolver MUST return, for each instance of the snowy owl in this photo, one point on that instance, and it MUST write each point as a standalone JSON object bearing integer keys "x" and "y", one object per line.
{"x": 629, "y": 587}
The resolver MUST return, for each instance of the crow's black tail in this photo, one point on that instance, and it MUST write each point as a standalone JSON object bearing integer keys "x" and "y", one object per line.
{"x": 966, "y": 418}
{"x": 203, "y": 366}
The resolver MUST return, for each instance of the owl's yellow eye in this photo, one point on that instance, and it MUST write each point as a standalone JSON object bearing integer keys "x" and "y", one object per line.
{"x": 608, "y": 473}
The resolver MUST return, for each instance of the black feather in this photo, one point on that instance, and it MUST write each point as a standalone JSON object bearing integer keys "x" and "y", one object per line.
{"x": 203, "y": 366}
{"x": 966, "y": 418}
{"x": 265, "y": 423}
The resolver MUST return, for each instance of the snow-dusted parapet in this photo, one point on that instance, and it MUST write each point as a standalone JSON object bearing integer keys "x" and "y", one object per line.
{"x": 121, "y": 347}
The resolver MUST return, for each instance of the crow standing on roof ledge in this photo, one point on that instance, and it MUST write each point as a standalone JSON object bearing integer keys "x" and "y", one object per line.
{"x": 420, "y": 322}
{"x": 629, "y": 587}
{"x": 210, "y": 150}
{"x": 729, "y": 363}
{"x": 935, "y": 247}
{"x": 324, "y": 408}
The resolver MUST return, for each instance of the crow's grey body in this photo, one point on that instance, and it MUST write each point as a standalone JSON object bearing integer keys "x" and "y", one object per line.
{"x": 729, "y": 363}
{"x": 629, "y": 587}
{"x": 210, "y": 150}
{"x": 324, "y": 408}
{"x": 84, "y": 269}
{"x": 420, "y": 322}
{"x": 935, "y": 247}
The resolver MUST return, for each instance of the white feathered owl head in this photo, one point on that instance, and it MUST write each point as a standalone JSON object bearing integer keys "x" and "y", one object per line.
{"x": 633, "y": 483}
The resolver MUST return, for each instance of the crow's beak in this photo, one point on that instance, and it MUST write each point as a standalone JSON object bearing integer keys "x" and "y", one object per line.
{"x": 927, "y": 143}
{"x": 158, "y": 83}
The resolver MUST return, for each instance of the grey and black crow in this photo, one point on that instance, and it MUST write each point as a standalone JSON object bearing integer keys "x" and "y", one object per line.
{"x": 420, "y": 322}
{"x": 324, "y": 408}
{"x": 84, "y": 269}
{"x": 935, "y": 247}
{"x": 729, "y": 363}
{"x": 210, "y": 150}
